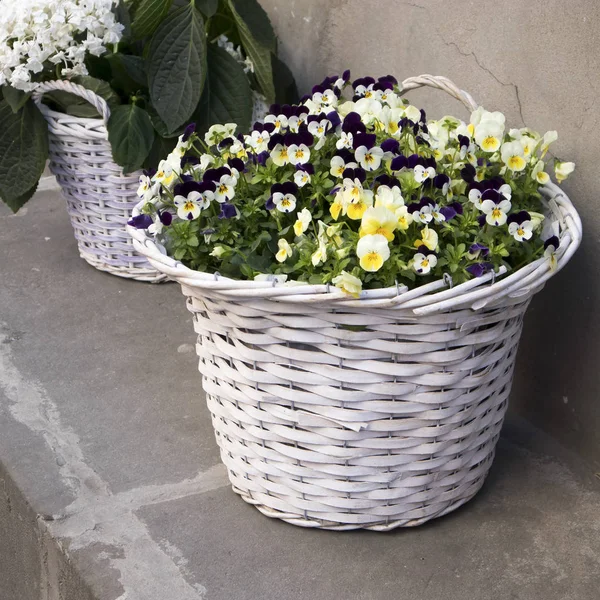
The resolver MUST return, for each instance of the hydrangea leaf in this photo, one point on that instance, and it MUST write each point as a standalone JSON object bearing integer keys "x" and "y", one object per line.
{"x": 177, "y": 65}
{"x": 259, "y": 54}
{"x": 131, "y": 134}
{"x": 16, "y": 98}
{"x": 286, "y": 91}
{"x": 147, "y": 16}
{"x": 257, "y": 20}
{"x": 23, "y": 152}
{"x": 208, "y": 7}
{"x": 227, "y": 97}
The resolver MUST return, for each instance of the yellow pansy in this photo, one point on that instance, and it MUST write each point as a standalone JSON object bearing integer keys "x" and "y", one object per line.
{"x": 373, "y": 251}
{"x": 378, "y": 220}
{"x": 348, "y": 283}
{"x": 429, "y": 239}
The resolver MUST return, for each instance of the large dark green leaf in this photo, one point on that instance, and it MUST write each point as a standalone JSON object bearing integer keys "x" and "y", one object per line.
{"x": 147, "y": 16}
{"x": 227, "y": 97}
{"x": 23, "y": 152}
{"x": 177, "y": 65}
{"x": 131, "y": 134}
{"x": 260, "y": 55}
{"x": 257, "y": 20}
{"x": 128, "y": 72}
{"x": 160, "y": 125}
{"x": 16, "y": 98}
{"x": 102, "y": 88}
{"x": 207, "y": 7}
{"x": 286, "y": 91}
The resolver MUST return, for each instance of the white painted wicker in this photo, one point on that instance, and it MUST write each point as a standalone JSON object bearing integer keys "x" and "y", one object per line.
{"x": 375, "y": 413}
{"x": 99, "y": 196}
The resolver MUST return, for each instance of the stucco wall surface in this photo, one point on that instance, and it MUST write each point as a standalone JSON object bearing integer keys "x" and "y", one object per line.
{"x": 539, "y": 62}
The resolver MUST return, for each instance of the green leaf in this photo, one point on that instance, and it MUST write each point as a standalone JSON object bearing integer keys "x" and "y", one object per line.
{"x": 160, "y": 126}
{"x": 286, "y": 91}
{"x": 121, "y": 12}
{"x": 207, "y": 7}
{"x": 227, "y": 97}
{"x": 16, "y": 98}
{"x": 15, "y": 203}
{"x": 257, "y": 20}
{"x": 23, "y": 152}
{"x": 102, "y": 88}
{"x": 260, "y": 56}
{"x": 147, "y": 16}
{"x": 177, "y": 65}
{"x": 131, "y": 135}
{"x": 82, "y": 109}
{"x": 161, "y": 148}
{"x": 128, "y": 72}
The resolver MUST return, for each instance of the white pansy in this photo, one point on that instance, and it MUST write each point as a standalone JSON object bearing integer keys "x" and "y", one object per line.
{"x": 389, "y": 197}
{"x": 369, "y": 109}
{"x": 165, "y": 174}
{"x": 488, "y": 135}
{"x": 319, "y": 256}
{"x": 319, "y": 129}
{"x": 280, "y": 156}
{"x": 348, "y": 283}
{"x": 303, "y": 221}
{"x": 279, "y": 278}
{"x": 325, "y": 100}
{"x": 145, "y": 185}
{"x": 513, "y": 155}
{"x": 538, "y": 173}
{"x": 495, "y": 214}
{"x": 278, "y": 121}
{"x": 521, "y": 231}
{"x": 298, "y": 154}
{"x": 301, "y": 178}
{"x": 284, "y": 203}
{"x": 338, "y": 166}
{"x": 345, "y": 141}
{"x": 562, "y": 170}
{"x": 412, "y": 113}
{"x": 422, "y": 174}
{"x": 284, "y": 252}
{"x": 225, "y": 188}
{"x": 372, "y": 251}
{"x": 258, "y": 141}
{"x": 423, "y": 263}
{"x": 369, "y": 158}
{"x": 190, "y": 207}
{"x": 549, "y": 137}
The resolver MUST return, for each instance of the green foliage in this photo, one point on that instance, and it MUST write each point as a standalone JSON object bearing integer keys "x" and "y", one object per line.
{"x": 147, "y": 16}
{"x": 131, "y": 135}
{"x": 177, "y": 65}
{"x": 227, "y": 97}
{"x": 23, "y": 152}
{"x": 165, "y": 71}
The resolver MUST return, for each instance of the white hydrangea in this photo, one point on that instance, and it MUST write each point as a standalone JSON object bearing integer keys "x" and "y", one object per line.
{"x": 223, "y": 42}
{"x": 35, "y": 33}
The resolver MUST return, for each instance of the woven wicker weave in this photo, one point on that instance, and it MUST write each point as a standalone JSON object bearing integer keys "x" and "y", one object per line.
{"x": 377, "y": 412}
{"x": 99, "y": 196}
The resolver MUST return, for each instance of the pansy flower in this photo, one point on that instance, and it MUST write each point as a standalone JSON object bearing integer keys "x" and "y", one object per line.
{"x": 145, "y": 185}
{"x": 480, "y": 269}
{"x": 279, "y": 122}
{"x": 378, "y": 220}
{"x": 422, "y": 211}
{"x": 190, "y": 207}
{"x": 303, "y": 221}
{"x": 429, "y": 238}
{"x": 165, "y": 174}
{"x": 225, "y": 188}
{"x": 298, "y": 154}
{"x": 442, "y": 182}
{"x": 280, "y": 155}
{"x": 258, "y": 140}
{"x": 284, "y": 252}
{"x": 372, "y": 251}
{"x": 140, "y": 221}
{"x": 550, "y": 248}
{"x": 520, "y": 226}
{"x": 353, "y": 124}
{"x": 404, "y": 218}
{"x": 163, "y": 219}
{"x": 303, "y": 173}
{"x": 369, "y": 158}
{"x": 389, "y": 197}
{"x": 423, "y": 263}
{"x": 495, "y": 211}
{"x": 562, "y": 170}
{"x": 348, "y": 283}
{"x": 217, "y": 133}
{"x": 538, "y": 174}
{"x": 345, "y": 141}
{"x": 228, "y": 211}
{"x": 340, "y": 82}
{"x": 319, "y": 128}
{"x": 422, "y": 173}
{"x": 283, "y": 197}
{"x": 476, "y": 250}
{"x": 339, "y": 165}
{"x": 513, "y": 155}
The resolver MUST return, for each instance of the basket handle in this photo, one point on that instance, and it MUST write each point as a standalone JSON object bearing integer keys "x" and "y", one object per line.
{"x": 441, "y": 83}
{"x": 96, "y": 101}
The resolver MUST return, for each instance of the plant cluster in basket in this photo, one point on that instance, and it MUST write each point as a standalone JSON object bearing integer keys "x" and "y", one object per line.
{"x": 361, "y": 193}
{"x": 157, "y": 63}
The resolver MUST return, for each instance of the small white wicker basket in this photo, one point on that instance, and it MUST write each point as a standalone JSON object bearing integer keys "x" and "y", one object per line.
{"x": 99, "y": 196}
{"x": 377, "y": 412}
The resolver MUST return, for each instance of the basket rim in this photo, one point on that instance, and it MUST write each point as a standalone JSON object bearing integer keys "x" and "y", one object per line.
{"x": 425, "y": 299}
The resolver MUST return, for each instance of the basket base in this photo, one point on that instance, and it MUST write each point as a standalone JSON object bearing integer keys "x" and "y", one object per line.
{"x": 331, "y": 526}
{"x": 147, "y": 275}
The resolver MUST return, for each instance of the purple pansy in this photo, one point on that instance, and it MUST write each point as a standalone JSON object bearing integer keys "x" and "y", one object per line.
{"x": 140, "y": 221}
{"x": 480, "y": 269}
{"x": 552, "y": 242}
{"x": 187, "y": 132}
{"x": 228, "y": 211}
{"x": 390, "y": 145}
{"x": 476, "y": 250}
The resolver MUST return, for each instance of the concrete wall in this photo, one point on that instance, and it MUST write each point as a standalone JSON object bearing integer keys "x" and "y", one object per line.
{"x": 539, "y": 62}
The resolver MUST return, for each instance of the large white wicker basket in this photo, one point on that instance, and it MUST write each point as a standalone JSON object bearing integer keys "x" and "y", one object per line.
{"x": 377, "y": 412}
{"x": 99, "y": 196}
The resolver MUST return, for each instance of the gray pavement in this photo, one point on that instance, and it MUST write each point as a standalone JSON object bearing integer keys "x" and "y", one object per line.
{"x": 111, "y": 486}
